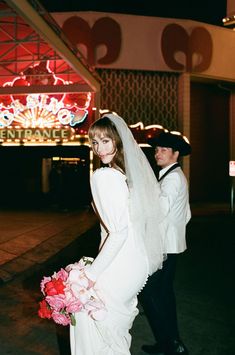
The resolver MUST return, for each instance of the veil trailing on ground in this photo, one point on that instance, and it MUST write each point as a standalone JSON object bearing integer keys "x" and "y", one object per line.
{"x": 145, "y": 213}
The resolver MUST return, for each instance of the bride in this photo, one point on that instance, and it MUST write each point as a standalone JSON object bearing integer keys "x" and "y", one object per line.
{"x": 125, "y": 197}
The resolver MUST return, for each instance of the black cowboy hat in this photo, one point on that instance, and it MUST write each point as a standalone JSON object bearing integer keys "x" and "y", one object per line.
{"x": 171, "y": 140}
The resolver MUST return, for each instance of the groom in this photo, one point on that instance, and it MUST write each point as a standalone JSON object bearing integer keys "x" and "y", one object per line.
{"x": 157, "y": 297}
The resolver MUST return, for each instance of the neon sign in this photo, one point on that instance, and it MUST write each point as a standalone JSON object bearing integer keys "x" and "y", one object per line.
{"x": 42, "y": 110}
{"x": 35, "y": 134}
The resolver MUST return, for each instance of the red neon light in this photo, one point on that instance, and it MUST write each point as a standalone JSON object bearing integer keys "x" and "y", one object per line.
{"x": 42, "y": 109}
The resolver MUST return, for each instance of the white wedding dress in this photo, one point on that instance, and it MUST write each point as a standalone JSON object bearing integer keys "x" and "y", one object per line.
{"x": 120, "y": 271}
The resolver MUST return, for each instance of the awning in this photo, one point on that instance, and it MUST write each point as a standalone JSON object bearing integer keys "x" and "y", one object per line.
{"x": 30, "y": 36}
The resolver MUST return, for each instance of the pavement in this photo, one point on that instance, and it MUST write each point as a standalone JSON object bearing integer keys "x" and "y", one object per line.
{"x": 29, "y": 238}
{"x": 36, "y": 243}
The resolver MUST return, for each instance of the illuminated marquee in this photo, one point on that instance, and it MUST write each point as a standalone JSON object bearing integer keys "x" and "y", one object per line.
{"x": 39, "y": 111}
{"x": 36, "y": 134}
{"x": 42, "y": 110}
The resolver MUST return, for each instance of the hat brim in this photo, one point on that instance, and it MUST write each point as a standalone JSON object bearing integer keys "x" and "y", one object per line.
{"x": 177, "y": 143}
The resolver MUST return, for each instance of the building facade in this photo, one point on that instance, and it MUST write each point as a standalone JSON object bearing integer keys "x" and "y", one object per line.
{"x": 176, "y": 73}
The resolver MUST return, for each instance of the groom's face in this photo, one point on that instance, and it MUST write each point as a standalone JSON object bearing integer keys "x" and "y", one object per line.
{"x": 165, "y": 156}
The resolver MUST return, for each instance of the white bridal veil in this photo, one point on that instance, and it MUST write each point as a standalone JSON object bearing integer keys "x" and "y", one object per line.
{"x": 144, "y": 189}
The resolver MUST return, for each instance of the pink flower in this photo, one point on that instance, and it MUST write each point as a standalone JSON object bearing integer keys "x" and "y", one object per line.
{"x": 78, "y": 279}
{"x": 56, "y": 302}
{"x": 62, "y": 274}
{"x": 70, "y": 267}
{"x": 43, "y": 282}
{"x": 61, "y": 318}
{"x": 68, "y": 291}
{"x": 74, "y": 306}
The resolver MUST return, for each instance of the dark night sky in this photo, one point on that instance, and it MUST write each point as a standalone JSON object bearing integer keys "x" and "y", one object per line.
{"x": 208, "y": 11}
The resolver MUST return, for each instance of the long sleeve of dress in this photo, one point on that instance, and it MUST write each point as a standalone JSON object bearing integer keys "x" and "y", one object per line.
{"x": 110, "y": 194}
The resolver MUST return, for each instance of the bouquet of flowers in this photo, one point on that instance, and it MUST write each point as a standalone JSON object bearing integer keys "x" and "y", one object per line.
{"x": 67, "y": 291}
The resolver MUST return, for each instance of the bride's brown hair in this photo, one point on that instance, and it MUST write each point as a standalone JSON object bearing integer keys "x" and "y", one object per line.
{"x": 105, "y": 127}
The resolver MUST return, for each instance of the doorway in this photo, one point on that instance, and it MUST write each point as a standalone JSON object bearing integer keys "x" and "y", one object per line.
{"x": 209, "y": 137}
{"x": 26, "y": 177}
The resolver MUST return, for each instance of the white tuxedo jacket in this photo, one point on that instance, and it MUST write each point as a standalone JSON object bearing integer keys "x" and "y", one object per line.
{"x": 174, "y": 200}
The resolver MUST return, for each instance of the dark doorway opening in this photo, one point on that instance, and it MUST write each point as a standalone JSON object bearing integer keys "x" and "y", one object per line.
{"x": 27, "y": 179}
{"x": 209, "y": 137}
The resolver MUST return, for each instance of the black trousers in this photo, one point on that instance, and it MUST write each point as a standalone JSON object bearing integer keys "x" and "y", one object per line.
{"x": 158, "y": 302}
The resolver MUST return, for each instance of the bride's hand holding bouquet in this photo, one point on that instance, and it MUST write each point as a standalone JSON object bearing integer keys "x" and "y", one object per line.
{"x": 69, "y": 291}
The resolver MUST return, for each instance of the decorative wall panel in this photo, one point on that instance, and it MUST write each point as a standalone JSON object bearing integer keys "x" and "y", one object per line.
{"x": 150, "y": 97}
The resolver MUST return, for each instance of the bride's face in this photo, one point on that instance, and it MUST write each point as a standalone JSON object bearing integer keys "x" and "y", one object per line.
{"x": 104, "y": 147}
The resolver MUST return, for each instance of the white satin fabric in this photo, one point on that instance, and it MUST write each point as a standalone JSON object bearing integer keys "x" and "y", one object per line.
{"x": 120, "y": 271}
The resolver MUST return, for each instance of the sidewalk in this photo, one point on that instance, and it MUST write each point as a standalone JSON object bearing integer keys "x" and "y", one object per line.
{"x": 204, "y": 283}
{"x": 30, "y": 238}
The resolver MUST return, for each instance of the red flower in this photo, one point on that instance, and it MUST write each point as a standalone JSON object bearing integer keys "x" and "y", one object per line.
{"x": 67, "y": 292}
{"x": 44, "y": 310}
{"x": 54, "y": 287}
